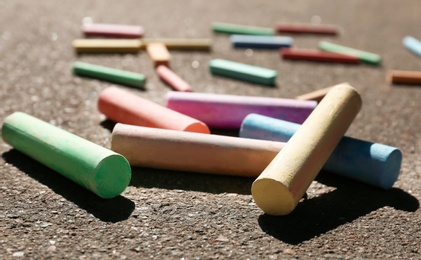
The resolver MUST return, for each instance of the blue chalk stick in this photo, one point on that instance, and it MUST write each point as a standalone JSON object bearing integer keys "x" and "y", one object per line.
{"x": 412, "y": 45}
{"x": 260, "y": 42}
{"x": 371, "y": 163}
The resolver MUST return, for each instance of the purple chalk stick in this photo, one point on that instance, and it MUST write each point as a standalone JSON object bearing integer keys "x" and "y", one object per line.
{"x": 228, "y": 111}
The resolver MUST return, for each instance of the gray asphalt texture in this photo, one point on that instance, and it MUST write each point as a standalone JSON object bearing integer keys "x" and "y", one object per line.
{"x": 179, "y": 215}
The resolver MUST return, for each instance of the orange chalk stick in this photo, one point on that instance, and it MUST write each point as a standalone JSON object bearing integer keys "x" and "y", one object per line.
{"x": 124, "y": 107}
{"x": 193, "y": 152}
{"x": 316, "y": 95}
{"x": 404, "y": 77}
{"x": 159, "y": 54}
{"x": 172, "y": 79}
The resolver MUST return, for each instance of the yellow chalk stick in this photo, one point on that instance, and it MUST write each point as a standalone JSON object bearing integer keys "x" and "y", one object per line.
{"x": 182, "y": 44}
{"x": 283, "y": 183}
{"x": 107, "y": 45}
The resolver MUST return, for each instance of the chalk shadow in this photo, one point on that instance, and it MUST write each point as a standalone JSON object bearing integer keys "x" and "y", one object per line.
{"x": 326, "y": 212}
{"x": 245, "y": 82}
{"x": 108, "y": 210}
{"x": 406, "y": 85}
{"x": 324, "y": 63}
{"x": 108, "y": 124}
{"x": 188, "y": 181}
{"x": 226, "y": 132}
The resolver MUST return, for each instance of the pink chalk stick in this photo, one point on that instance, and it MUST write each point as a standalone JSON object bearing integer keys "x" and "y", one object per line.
{"x": 124, "y": 107}
{"x": 228, "y": 111}
{"x": 172, "y": 79}
{"x": 112, "y": 30}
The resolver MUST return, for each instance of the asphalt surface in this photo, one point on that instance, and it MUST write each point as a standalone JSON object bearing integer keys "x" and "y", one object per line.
{"x": 176, "y": 215}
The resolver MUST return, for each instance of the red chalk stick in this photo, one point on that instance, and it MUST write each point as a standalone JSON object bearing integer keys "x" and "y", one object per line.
{"x": 124, "y": 107}
{"x": 306, "y": 28}
{"x": 172, "y": 79}
{"x": 112, "y": 30}
{"x": 316, "y": 55}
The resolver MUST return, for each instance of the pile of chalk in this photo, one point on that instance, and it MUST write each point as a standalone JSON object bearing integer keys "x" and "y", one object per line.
{"x": 283, "y": 143}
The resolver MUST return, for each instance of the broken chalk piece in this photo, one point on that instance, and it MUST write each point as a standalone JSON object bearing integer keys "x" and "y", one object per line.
{"x": 283, "y": 183}
{"x": 112, "y": 75}
{"x": 240, "y": 29}
{"x": 316, "y": 95}
{"x": 260, "y": 42}
{"x": 193, "y": 152}
{"x": 317, "y": 55}
{"x": 112, "y": 30}
{"x": 228, "y": 111}
{"x": 404, "y": 77}
{"x": 158, "y": 53}
{"x": 303, "y": 28}
{"x": 366, "y": 57}
{"x": 124, "y": 107}
{"x": 243, "y": 72}
{"x": 200, "y": 44}
{"x": 172, "y": 79}
{"x": 412, "y": 44}
{"x": 95, "y": 168}
{"x": 372, "y": 163}
{"x": 107, "y": 45}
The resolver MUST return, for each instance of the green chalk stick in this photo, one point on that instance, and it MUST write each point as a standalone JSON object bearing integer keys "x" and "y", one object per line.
{"x": 94, "y": 167}
{"x": 113, "y": 75}
{"x": 242, "y": 71}
{"x": 364, "y": 56}
{"x": 241, "y": 29}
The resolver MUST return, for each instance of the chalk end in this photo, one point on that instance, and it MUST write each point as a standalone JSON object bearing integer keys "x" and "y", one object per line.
{"x": 112, "y": 176}
{"x": 273, "y": 197}
{"x": 198, "y": 127}
{"x": 392, "y": 166}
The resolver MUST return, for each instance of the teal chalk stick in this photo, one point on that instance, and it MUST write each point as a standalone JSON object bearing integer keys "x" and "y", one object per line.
{"x": 243, "y": 72}
{"x": 112, "y": 75}
{"x": 366, "y": 57}
{"x": 94, "y": 167}
{"x": 241, "y": 29}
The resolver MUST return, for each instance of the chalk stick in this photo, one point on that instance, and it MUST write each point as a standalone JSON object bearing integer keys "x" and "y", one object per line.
{"x": 404, "y": 77}
{"x": 412, "y": 44}
{"x": 158, "y": 53}
{"x": 366, "y": 57}
{"x": 172, "y": 79}
{"x": 316, "y": 95}
{"x": 124, "y": 107}
{"x": 112, "y": 30}
{"x": 317, "y": 55}
{"x": 190, "y": 44}
{"x": 193, "y": 152}
{"x": 242, "y": 72}
{"x": 112, "y": 75}
{"x": 371, "y": 163}
{"x": 283, "y": 183}
{"x": 260, "y": 42}
{"x": 230, "y": 28}
{"x": 107, "y": 45}
{"x": 93, "y": 167}
{"x": 304, "y": 28}
{"x": 228, "y": 111}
